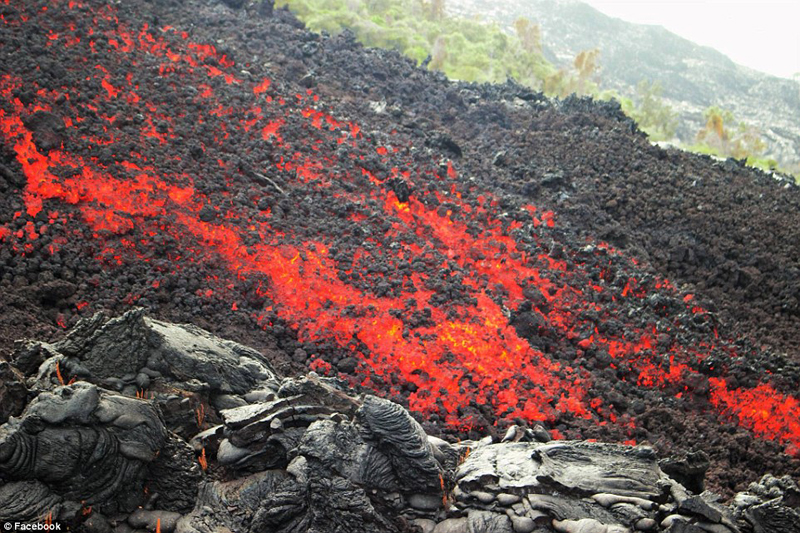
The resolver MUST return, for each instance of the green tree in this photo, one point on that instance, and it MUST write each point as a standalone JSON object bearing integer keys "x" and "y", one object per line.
{"x": 461, "y": 48}
{"x": 652, "y": 114}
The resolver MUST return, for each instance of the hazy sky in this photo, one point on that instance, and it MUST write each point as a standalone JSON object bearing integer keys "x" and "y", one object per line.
{"x": 761, "y": 35}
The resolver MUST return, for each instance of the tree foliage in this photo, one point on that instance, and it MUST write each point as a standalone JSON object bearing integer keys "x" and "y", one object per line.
{"x": 724, "y": 136}
{"x": 654, "y": 116}
{"x": 529, "y": 35}
{"x": 463, "y": 49}
{"x": 582, "y": 79}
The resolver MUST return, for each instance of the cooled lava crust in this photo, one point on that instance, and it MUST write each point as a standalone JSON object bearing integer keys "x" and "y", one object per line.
{"x": 478, "y": 253}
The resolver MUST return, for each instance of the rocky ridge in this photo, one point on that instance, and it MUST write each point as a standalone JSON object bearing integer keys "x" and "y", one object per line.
{"x": 192, "y": 433}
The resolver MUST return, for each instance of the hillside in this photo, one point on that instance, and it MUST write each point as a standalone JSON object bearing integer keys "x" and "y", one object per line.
{"x": 494, "y": 262}
{"x": 693, "y": 77}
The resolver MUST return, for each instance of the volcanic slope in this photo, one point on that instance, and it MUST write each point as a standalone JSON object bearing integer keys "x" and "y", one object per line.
{"x": 480, "y": 254}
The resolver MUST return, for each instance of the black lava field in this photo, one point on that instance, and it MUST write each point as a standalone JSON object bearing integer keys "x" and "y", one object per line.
{"x": 480, "y": 254}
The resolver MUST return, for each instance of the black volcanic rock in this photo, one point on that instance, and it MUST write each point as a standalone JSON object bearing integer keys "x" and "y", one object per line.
{"x": 397, "y": 435}
{"x": 181, "y": 352}
{"x": 13, "y": 392}
{"x": 313, "y": 457}
{"x": 48, "y": 130}
{"x": 88, "y": 445}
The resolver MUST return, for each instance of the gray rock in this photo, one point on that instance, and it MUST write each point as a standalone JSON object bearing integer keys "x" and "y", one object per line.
{"x": 175, "y": 476}
{"x": 772, "y": 517}
{"x": 596, "y": 467}
{"x": 27, "y": 501}
{"x": 86, "y": 445}
{"x": 209, "y": 440}
{"x": 507, "y": 465}
{"x": 400, "y": 438}
{"x": 681, "y": 526}
{"x": 452, "y": 525}
{"x": 669, "y": 520}
{"x": 142, "y": 381}
{"x": 97, "y": 523}
{"x": 29, "y": 355}
{"x": 228, "y": 401}
{"x": 186, "y": 352}
{"x": 425, "y": 524}
{"x": 298, "y": 467}
{"x": 13, "y": 392}
{"x": 255, "y": 423}
{"x": 259, "y": 396}
{"x": 607, "y": 500}
{"x": 125, "y": 345}
{"x": 320, "y": 391}
{"x": 152, "y": 374}
{"x": 629, "y": 514}
{"x": 274, "y": 501}
{"x": 522, "y": 524}
{"x": 688, "y": 469}
{"x": 645, "y": 524}
{"x": 142, "y": 519}
{"x": 713, "y": 528}
{"x": 483, "y": 497}
{"x": 541, "y": 434}
{"x": 235, "y": 505}
{"x": 228, "y": 454}
{"x": 488, "y": 522}
{"x": 570, "y": 508}
{"x": 585, "y": 468}
{"x": 425, "y": 502}
{"x": 334, "y": 447}
{"x": 507, "y": 500}
{"x": 109, "y": 348}
{"x": 586, "y": 525}
{"x": 698, "y": 507}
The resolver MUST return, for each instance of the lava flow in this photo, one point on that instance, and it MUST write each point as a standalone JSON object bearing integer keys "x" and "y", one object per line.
{"x": 154, "y": 155}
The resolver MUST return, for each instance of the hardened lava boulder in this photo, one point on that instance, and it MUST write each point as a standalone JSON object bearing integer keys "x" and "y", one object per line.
{"x": 342, "y": 474}
{"x": 134, "y": 344}
{"x": 85, "y": 447}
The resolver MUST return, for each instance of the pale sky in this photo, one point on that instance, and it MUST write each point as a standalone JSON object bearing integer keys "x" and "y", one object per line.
{"x": 763, "y": 35}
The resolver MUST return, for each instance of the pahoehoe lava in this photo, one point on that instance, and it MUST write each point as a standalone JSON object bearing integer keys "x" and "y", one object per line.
{"x": 479, "y": 254}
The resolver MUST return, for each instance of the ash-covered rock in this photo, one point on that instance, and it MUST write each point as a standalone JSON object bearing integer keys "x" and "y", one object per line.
{"x": 309, "y": 454}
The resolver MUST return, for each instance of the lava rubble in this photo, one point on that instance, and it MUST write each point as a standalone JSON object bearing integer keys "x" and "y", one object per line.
{"x": 143, "y": 425}
{"x": 367, "y": 232}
